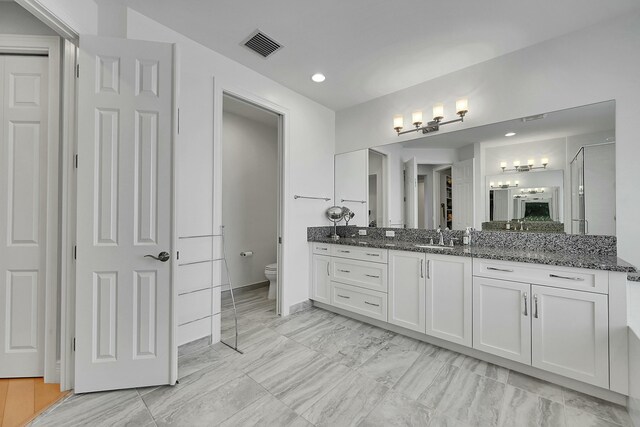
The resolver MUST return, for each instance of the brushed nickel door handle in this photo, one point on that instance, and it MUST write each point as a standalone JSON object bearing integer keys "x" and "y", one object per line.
{"x": 162, "y": 257}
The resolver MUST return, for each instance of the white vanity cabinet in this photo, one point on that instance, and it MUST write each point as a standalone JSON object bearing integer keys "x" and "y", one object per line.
{"x": 502, "y": 318}
{"x": 407, "y": 290}
{"x": 570, "y": 334}
{"x": 321, "y": 278}
{"x": 449, "y": 288}
{"x": 539, "y": 318}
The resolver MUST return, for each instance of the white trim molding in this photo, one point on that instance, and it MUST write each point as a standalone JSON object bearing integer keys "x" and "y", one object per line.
{"x": 50, "y": 19}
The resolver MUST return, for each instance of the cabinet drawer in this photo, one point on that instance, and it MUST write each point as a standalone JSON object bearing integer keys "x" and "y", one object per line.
{"x": 361, "y": 301}
{"x": 370, "y": 275}
{"x": 560, "y": 277}
{"x": 360, "y": 253}
{"x": 321, "y": 248}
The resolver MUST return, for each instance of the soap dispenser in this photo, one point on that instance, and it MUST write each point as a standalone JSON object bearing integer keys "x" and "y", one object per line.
{"x": 466, "y": 239}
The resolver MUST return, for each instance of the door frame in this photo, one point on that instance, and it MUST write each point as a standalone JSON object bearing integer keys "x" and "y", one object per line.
{"x": 49, "y": 45}
{"x": 219, "y": 90}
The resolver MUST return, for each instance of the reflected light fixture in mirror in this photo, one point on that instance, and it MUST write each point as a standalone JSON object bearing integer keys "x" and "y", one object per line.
{"x": 517, "y": 167}
{"x": 462, "y": 108}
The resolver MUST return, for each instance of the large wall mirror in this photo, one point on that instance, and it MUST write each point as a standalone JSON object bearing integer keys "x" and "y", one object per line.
{"x": 552, "y": 172}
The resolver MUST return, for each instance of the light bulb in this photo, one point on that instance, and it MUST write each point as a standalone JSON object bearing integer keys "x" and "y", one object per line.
{"x": 516, "y": 164}
{"x": 416, "y": 118}
{"x": 503, "y": 165}
{"x": 492, "y": 184}
{"x": 462, "y": 106}
{"x": 398, "y": 122}
{"x": 544, "y": 161}
{"x": 438, "y": 112}
{"x": 530, "y": 162}
{"x": 499, "y": 183}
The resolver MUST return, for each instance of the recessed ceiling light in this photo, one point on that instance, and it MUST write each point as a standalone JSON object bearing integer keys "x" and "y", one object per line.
{"x": 318, "y": 77}
{"x": 509, "y": 134}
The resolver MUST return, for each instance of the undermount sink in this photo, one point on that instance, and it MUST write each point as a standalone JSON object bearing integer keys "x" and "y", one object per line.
{"x": 434, "y": 247}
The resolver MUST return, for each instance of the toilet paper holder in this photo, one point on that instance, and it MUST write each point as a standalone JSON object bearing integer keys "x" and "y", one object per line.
{"x": 247, "y": 253}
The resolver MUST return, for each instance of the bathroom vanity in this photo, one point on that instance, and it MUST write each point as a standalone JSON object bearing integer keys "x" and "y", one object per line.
{"x": 554, "y": 315}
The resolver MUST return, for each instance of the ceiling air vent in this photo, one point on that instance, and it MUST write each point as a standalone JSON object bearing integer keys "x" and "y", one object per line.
{"x": 262, "y": 44}
{"x": 532, "y": 118}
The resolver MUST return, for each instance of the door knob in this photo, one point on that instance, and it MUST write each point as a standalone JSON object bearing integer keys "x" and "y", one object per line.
{"x": 162, "y": 256}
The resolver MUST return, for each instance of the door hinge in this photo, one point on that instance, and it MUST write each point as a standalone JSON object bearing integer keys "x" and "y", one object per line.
{"x": 77, "y": 70}
{"x": 76, "y": 161}
{"x": 178, "y": 121}
{"x": 178, "y": 255}
{"x": 75, "y": 252}
{"x": 280, "y": 240}
{"x": 74, "y": 344}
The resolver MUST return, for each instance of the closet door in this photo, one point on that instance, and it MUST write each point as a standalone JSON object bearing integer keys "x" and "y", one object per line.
{"x": 23, "y": 214}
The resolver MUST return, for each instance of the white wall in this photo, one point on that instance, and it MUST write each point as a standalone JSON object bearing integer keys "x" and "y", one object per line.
{"x": 14, "y": 19}
{"x": 249, "y": 196}
{"x": 309, "y": 138}
{"x": 554, "y": 75}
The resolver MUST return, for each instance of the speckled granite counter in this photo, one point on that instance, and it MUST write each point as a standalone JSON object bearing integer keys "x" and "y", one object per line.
{"x": 583, "y": 259}
{"x": 634, "y": 277}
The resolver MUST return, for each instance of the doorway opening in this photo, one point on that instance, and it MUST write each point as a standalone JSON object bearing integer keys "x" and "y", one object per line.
{"x": 377, "y": 202}
{"x": 251, "y": 201}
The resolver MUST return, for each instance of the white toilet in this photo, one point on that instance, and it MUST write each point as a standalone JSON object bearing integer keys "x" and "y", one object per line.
{"x": 271, "y": 273}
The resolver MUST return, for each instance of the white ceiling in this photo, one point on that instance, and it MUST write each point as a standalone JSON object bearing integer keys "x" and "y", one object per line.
{"x": 369, "y": 48}
{"x": 559, "y": 124}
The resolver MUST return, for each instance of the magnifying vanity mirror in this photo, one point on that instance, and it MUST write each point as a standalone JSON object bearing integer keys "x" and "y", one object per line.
{"x": 551, "y": 172}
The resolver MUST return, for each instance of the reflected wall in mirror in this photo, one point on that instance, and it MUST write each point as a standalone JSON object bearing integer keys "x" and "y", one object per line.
{"x": 552, "y": 172}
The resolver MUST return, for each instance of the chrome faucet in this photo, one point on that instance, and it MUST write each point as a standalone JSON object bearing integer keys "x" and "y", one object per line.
{"x": 441, "y": 242}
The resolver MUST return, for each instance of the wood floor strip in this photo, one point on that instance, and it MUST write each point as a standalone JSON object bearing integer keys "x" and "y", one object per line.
{"x": 45, "y": 394}
{"x": 4, "y": 386}
{"x": 19, "y": 403}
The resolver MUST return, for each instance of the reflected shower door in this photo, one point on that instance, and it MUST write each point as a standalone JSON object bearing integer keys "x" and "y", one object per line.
{"x": 578, "y": 220}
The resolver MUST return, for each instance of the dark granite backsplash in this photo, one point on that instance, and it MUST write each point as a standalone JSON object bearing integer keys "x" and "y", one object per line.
{"x": 527, "y": 241}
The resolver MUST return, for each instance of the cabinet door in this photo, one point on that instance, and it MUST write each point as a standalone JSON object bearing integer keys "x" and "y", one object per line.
{"x": 448, "y": 299}
{"x": 570, "y": 334}
{"x": 320, "y": 283}
{"x": 407, "y": 279}
{"x": 502, "y": 318}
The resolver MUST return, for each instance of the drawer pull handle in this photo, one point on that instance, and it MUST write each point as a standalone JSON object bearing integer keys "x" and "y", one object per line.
{"x": 505, "y": 270}
{"x": 535, "y": 301}
{"x": 422, "y": 269}
{"x": 526, "y": 313}
{"x": 344, "y": 252}
{"x": 328, "y": 270}
{"x": 370, "y": 303}
{"x": 371, "y": 275}
{"x": 344, "y": 271}
{"x": 321, "y": 249}
{"x": 373, "y": 254}
{"x": 343, "y": 296}
{"x": 577, "y": 279}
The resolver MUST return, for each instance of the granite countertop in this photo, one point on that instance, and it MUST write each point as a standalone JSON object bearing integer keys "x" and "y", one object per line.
{"x": 562, "y": 259}
{"x": 634, "y": 277}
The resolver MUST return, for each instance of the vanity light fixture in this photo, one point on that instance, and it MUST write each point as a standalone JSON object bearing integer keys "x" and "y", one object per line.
{"x": 532, "y": 191}
{"x": 504, "y": 185}
{"x": 517, "y": 167}
{"x": 462, "y": 108}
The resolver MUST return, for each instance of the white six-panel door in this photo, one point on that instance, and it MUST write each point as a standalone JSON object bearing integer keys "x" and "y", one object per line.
{"x": 502, "y": 318}
{"x": 23, "y": 214}
{"x": 123, "y": 298}
{"x": 462, "y": 194}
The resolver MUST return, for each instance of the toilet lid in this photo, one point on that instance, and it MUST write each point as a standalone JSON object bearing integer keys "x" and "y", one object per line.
{"x": 273, "y": 266}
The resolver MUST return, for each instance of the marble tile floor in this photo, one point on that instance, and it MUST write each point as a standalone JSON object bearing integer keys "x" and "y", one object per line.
{"x": 316, "y": 368}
